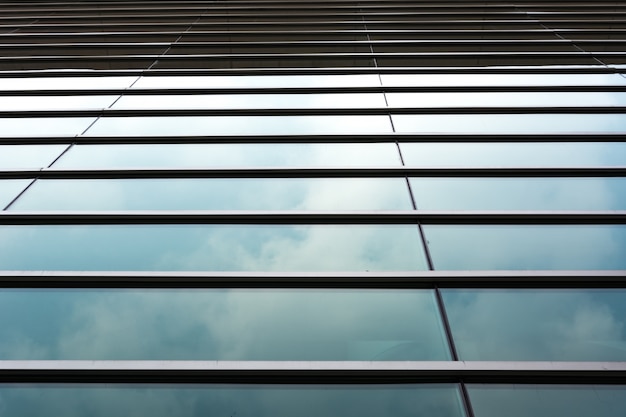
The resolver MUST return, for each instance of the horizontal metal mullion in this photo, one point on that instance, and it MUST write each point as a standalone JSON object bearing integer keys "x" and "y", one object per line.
{"x": 442, "y": 217}
{"x": 322, "y": 90}
{"x": 397, "y": 279}
{"x": 339, "y": 111}
{"x": 328, "y": 372}
{"x": 264, "y": 172}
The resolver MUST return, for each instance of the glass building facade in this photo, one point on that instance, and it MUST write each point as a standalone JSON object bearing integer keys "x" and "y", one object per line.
{"x": 313, "y": 208}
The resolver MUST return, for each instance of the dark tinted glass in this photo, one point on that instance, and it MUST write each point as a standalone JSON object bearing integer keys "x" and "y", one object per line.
{"x": 221, "y": 325}
{"x": 538, "y": 325}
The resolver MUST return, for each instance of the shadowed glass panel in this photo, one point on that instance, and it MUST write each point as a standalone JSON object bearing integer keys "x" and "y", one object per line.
{"x": 233, "y": 155}
{"x": 29, "y": 156}
{"x": 573, "y": 247}
{"x": 514, "y": 154}
{"x": 238, "y": 125}
{"x": 44, "y": 126}
{"x": 221, "y": 325}
{"x": 538, "y": 325}
{"x": 509, "y": 123}
{"x": 267, "y": 81}
{"x": 519, "y": 193}
{"x": 210, "y": 247}
{"x": 9, "y": 189}
{"x": 548, "y": 400}
{"x": 218, "y": 194}
{"x": 98, "y": 400}
{"x": 251, "y": 101}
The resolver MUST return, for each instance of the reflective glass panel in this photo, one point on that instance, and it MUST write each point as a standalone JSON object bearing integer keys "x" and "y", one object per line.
{"x": 233, "y": 155}
{"x": 238, "y": 125}
{"x": 228, "y": 324}
{"x": 251, "y": 101}
{"x": 9, "y": 189}
{"x": 527, "y": 247}
{"x": 299, "y": 400}
{"x": 250, "y": 81}
{"x": 210, "y": 247}
{"x": 519, "y": 193}
{"x": 514, "y": 154}
{"x": 547, "y": 400}
{"x": 56, "y": 102}
{"x": 500, "y": 79}
{"x": 65, "y": 83}
{"x": 538, "y": 325}
{"x": 509, "y": 123}
{"x": 42, "y": 126}
{"x": 505, "y": 99}
{"x": 218, "y": 194}
{"x": 29, "y": 156}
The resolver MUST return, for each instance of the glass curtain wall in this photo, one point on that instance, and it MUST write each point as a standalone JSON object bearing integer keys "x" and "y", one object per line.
{"x": 314, "y": 207}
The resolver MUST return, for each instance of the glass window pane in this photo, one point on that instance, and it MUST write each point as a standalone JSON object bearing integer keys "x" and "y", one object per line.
{"x": 238, "y": 125}
{"x": 230, "y": 155}
{"x": 29, "y": 156}
{"x": 65, "y": 83}
{"x": 509, "y": 123}
{"x": 211, "y": 248}
{"x": 267, "y": 81}
{"x": 251, "y": 101}
{"x": 56, "y": 102}
{"x": 547, "y": 400}
{"x": 519, "y": 193}
{"x": 9, "y": 189}
{"x": 42, "y": 126}
{"x": 505, "y": 99}
{"x": 500, "y": 79}
{"x": 228, "y": 324}
{"x": 538, "y": 325}
{"x": 527, "y": 247}
{"x": 514, "y": 154}
{"x": 158, "y": 400}
{"x": 218, "y": 194}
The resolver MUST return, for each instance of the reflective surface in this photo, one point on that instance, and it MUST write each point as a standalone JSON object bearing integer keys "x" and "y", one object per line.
{"x": 217, "y": 194}
{"x": 487, "y": 99}
{"x": 211, "y": 247}
{"x": 42, "y": 126}
{"x": 69, "y": 83}
{"x": 353, "y": 80}
{"x": 234, "y": 155}
{"x": 519, "y": 193}
{"x": 29, "y": 156}
{"x": 500, "y": 79}
{"x": 56, "y": 102}
{"x": 527, "y": 247}
{"x": 251, "y": 101}
{"x": 97, "y": 400}
{"x": 548, "y": 400}
{"x": 238, "y": 125}
{"x": 509, "y": 123}
{"x": 230, "y": 324}
{"x": 9, "y": 189}
{"x": 514, "y": 154}
{"x": 538, "y": 325}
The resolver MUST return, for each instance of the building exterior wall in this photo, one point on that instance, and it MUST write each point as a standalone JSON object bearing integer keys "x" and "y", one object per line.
{"x": 313, "y": 208}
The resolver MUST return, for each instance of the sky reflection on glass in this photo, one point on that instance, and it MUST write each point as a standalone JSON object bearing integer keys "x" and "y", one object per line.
{"x": 211, "y": 248}
{"x": 521, "y": 400}
{"x": 44, "y": 126}
{"x": 233, "y": 155}
{"x": 519, "y": 193}
{"x": 538, "y": 325}
{"x": 514, "y": 154}
{"x": 29, "y": 156}
{"x": 9, "y": 189}
{"x": 500, "y": 79}
{"x": 487, "y": 99}
{"x": 267, "y": 81}
{"x": 69, "y": 83}
{"x": 56, "y": 102}
{"x": 221, "y": 325}
{"x": 238, "y": 125}
{"x": 157, "y": 400}
{"x": 568, "y": 247}
{"x": 217, "y": 194}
